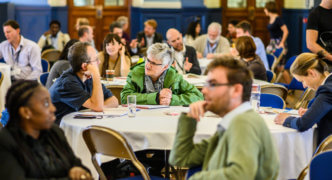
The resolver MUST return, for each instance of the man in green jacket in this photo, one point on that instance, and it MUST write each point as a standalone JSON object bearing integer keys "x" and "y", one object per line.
{"x": 242, "y": 147}
{"x": 153, "y": 82}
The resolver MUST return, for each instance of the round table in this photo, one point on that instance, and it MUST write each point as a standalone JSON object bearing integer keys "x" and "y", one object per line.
{"x": 154, "y": 129}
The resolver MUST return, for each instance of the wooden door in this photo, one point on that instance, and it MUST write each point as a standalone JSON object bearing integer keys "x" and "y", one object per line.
{"x": 251, "y": 10}
{"x": 101, "y": 13}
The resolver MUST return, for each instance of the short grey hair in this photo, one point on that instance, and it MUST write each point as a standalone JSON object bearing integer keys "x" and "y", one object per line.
{"x": 215, "y": 26}
{"x": 122, "y": 20}
{"x": 162, "y": 52}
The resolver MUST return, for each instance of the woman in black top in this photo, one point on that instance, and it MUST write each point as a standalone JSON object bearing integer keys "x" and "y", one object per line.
{"x": 277, "y": 28}
{"x": 245, "y": 48}
{"x": 31, "y": 146}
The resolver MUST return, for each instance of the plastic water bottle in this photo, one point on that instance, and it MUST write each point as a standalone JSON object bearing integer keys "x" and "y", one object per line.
{"x": 255, "y": 96}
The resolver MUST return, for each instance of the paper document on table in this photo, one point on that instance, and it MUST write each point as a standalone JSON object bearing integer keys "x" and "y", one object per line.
{"x": 112, "y": 112}
{"x": 270, "y": 110}
{"x": 198, "y": 80}
{"x": 151, "y": 106}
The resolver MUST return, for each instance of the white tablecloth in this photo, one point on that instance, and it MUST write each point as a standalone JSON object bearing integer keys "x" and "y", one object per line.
{"x": 154, "y": 129}
{"x": 5, "y": 70}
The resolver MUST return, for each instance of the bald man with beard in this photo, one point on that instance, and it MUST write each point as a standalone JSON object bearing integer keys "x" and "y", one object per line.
{"x": 185, "y": 58}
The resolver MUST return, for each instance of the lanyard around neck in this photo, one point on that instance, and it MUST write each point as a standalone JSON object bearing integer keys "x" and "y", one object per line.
{"x": 18, "y": 55}
{"x": 116, "y": 62}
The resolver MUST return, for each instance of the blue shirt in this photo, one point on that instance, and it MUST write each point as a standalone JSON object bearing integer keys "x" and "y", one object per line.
{"x": 69, "y": 93}
{"x": 25, "y": 61}
{"x": 260, "y": 51}
{"x": 210, "y": 49}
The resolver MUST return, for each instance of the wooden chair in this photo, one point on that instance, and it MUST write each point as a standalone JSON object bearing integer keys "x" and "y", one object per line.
{"x": 325, "y": 145}
{"x": 111, "y": 143}
{"x": 284, "y": 75}
{"x": 271, "y": 76}
{"x": 1, "y": 78}
{"x": 43, "y": 78}
{"x": 51, "y": 55}
{"x": 320, "y": 166}
{"x": 45, "y": 65}
{"x": 271, "y": 59}
{"x": 275, "y": 89}
{"x": 271, "y": 100}
{"x": 304, "y": 100}
{"x": 279, "y": 54}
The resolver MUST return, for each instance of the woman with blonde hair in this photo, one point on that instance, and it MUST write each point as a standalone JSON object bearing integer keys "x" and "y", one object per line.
{"x": 245, "y": 48}
{"x": 312, "y": 71}
{"x": 114, "y": 56}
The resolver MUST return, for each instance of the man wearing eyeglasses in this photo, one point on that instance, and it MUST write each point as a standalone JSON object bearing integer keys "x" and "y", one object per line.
{"x": 155, "y": 82}
{"x": 79, "y": 87}
{"x": 242, "y": 147}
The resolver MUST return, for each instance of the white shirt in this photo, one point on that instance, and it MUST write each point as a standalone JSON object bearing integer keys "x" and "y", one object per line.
{"x": 228, "y": 118}
{"x": 149, "y": 41}
{"x": 179, "y": 60}
{"x": 25, "y": 61}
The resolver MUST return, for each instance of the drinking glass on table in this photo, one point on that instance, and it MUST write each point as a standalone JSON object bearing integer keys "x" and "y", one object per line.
{"x": 110, "y": 75}
{"x": 255, "y": 97}
{"x": 131, "y": 100}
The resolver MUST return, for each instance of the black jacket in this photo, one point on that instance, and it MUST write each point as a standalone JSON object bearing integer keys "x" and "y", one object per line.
{"x": 158, "y": 38}
{"x": 16, "y": 145}
{"x": 192, "y": 58}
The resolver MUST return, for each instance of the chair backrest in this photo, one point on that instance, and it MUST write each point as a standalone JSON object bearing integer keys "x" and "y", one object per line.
{"x": 278, "y": 52}
{"x": 1, "y": 78}
{"x": 112, "y": 143}
{"x": 295, "y": 85}
{"x": 305, "y": 99}
{"x": 270, "y": 58}
{"x": 290, "y": 62}
{"x": 275, "y": 89}
{"x": 325, "y": 145}
{"x": 271, "y": 77}
{"x": 321, "y": 166}
{"x": 271, "y": 100}
{"x": 51, "y": 55}
{"x": 43, "y": 78}
{"x": 45, "y": 65}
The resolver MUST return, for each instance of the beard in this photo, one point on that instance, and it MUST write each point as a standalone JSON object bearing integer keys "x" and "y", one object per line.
{"x": 213, "y": 41}
{"x": 220, "y": 106}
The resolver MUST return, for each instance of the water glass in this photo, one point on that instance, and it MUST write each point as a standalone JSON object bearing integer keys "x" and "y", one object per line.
{"x": 110, "y": 75}
{"x": 131, "y": 100}
{"x": 255, "y": 97}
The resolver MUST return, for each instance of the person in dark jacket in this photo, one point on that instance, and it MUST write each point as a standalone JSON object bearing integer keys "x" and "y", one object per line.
{"x": 146, "y": 38}
{"x": 245, "y": 48}
{"x": 312, "y": 71}
{"x": 31, "y": 146}
{"x": 184, "y": 57}
{"x": 61, "y": 65}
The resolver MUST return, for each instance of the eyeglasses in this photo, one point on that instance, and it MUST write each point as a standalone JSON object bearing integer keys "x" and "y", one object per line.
{"x": 96, "y": 60}
{"x": 210, "y": 85}
{"x": 152, "y": 63}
